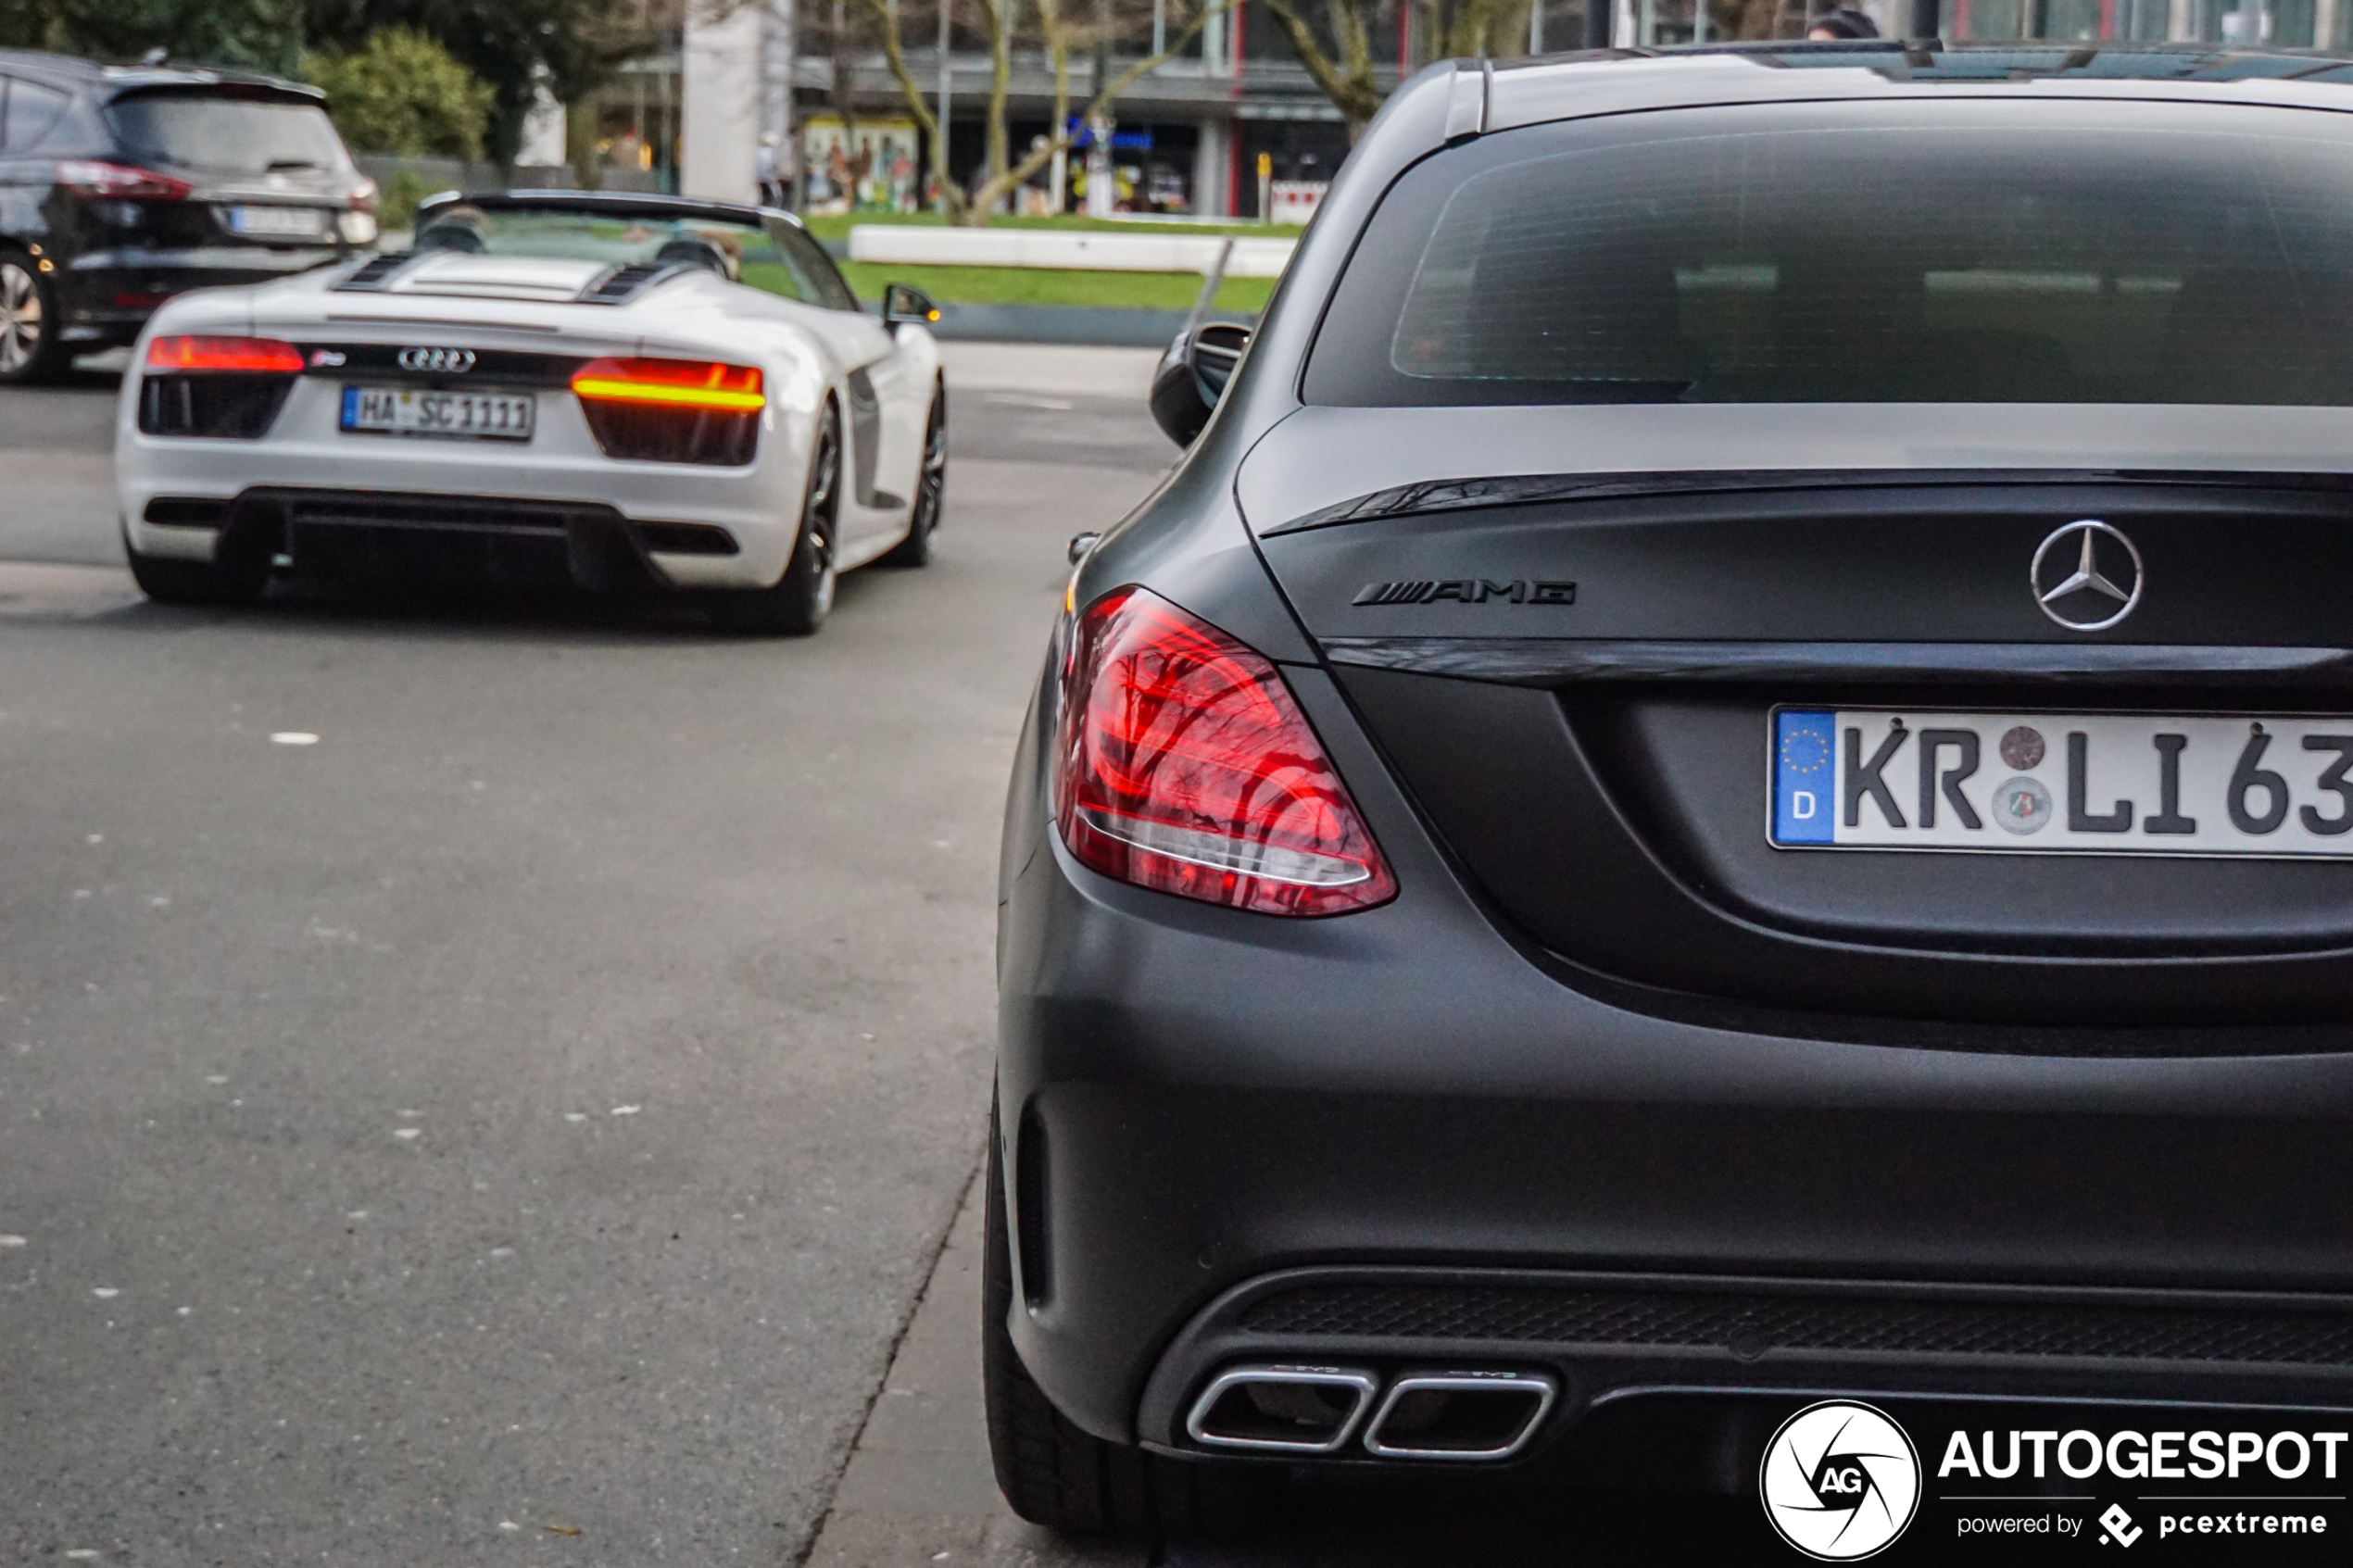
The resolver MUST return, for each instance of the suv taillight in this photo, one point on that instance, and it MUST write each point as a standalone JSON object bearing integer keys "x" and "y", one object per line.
{"x": 1185, "y": 766}
{"x": 119, "y": 181}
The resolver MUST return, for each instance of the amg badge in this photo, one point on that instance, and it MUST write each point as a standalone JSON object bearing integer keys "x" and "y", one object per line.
{"x": 1466, "y": 590}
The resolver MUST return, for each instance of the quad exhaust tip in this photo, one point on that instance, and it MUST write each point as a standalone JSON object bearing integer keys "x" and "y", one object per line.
{"x": 1425, "y": 1415}
{"x": 1295, "y": 1409}
{"x": 1460, "y": 1415}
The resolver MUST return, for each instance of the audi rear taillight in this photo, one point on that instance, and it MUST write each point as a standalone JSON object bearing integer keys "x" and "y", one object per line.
{"x": 1185, "y": 766}
{"x": 653, "y": 410}
{"x": 180, "y": 354}
{"x": 213, "y": 385}
{"x": 119, "y": 181}
{"x": 670, "y": 383}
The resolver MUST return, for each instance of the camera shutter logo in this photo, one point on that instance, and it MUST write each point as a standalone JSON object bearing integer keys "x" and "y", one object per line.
{"x": 1841, "y": 1481}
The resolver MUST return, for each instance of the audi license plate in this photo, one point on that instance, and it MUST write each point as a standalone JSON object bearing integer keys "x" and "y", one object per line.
{"x": 2052, "y": 783}
{"x": 459, "y": 416}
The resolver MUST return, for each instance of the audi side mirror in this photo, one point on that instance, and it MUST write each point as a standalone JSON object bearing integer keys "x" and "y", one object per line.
{"x": 904, "y": 306}
{"x": 1192, "y": 377}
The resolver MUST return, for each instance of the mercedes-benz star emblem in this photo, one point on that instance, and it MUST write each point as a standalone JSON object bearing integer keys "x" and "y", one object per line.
{"x": 438, "y": 361}
{"x": 2086, "y": 576}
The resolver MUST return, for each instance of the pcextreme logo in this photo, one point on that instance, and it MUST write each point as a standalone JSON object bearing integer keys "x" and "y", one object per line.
{"x": 1841, "y": 1481}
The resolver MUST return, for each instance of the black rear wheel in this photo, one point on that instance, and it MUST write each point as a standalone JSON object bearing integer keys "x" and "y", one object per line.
{"x": 1052, "y": 1473}
{"x": 802, "y": 598}
{"x": 931, "y": 489}
{"x": 32, "y": 348}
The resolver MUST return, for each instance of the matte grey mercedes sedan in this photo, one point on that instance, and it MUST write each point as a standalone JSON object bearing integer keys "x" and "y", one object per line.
{"x": 1723, "y": 779}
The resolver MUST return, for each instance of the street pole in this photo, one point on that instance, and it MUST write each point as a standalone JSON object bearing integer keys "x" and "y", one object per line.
{"x": 946, "y": 169}
{"x": 776, "y": 49}
{"x": 1597, "y": 21}
{"x": 1926, "y": 23}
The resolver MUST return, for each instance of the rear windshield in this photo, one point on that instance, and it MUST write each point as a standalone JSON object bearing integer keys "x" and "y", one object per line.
{"x": 215, "y": 134}
{"x": 1975, "y": 251}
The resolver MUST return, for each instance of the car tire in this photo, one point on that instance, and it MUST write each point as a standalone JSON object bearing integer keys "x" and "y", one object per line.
{"x": 931, "y": 490}
{"x": 801, "y": 598}
{"x": 241, "y": 579}
{"x": 1052, "y": 1473}
{"x": 31, "y": 343}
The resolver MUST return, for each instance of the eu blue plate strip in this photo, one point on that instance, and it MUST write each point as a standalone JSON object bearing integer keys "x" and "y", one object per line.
{"x": 1805, "y": 776}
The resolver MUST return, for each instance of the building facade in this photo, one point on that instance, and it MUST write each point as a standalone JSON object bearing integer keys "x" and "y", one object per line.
{"x": 1226, "y": 126}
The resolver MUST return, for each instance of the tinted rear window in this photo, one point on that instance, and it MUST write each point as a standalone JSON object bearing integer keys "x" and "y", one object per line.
{"x": 1968, "y": 251}
{"x": 216, "y": 134}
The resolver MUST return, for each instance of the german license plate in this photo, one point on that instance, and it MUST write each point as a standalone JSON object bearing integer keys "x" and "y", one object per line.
{"x": 456, "y": 416}
{"x": 278, "y": 222}
{"x": 2053, "y": 782}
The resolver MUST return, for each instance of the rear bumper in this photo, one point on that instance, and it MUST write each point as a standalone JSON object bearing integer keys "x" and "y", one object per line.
{"x": 107, "y": 295}
{"x": 306, "y": 453}
{"x": 1205, "y": 1109}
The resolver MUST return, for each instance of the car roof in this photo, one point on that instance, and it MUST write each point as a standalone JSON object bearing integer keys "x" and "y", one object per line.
{"x": 71, "y": 72}
{"x": 1539, "y": 88}
{"x": 610, "y": 204}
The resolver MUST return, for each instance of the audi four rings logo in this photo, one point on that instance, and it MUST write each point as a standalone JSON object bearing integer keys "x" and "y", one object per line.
{"x": 1841, "y": 1481}
{"x": 2086, "y": 576}
{"x": 438, "y": 361}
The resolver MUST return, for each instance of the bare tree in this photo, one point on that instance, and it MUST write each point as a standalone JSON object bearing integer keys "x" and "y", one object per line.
{"x": 1004, "y": 176}
{"x": 1347, "y": 81}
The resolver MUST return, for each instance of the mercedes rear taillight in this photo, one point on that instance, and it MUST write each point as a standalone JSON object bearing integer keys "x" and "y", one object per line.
{"x": 1185, "y": 766}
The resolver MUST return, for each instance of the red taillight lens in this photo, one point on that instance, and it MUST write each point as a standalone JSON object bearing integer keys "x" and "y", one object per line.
{"x": 674, "y": 383}
{"x": 119, "y": 181}
{"x": 1185, "y": 766}
{"x": 247, "y": 356}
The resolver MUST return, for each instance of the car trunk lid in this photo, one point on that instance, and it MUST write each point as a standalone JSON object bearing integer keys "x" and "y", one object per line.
{"x": 1573, "y": 665}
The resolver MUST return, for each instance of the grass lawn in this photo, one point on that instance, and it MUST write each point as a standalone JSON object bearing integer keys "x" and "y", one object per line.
{"x": 837, "y": 226}
{"x": 1055, "y": 286}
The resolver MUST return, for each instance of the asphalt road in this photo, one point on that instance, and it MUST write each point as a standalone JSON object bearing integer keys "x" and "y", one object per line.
{"x": 520, "y": 1124}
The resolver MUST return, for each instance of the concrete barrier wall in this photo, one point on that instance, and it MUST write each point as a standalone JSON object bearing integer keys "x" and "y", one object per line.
{"x": 909, "y": 245}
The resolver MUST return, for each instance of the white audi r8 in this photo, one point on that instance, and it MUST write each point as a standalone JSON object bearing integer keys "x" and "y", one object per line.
{"x": 615, "y": 392}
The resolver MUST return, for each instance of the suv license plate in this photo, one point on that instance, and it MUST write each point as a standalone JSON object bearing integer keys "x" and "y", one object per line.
{"x": 455, "y": 416}
{"x": 278, "y": 222}
{"x": 2107, "y": 784}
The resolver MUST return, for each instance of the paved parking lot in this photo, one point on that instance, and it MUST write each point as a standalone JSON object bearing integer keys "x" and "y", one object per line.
{"x": 536, "y": 1107}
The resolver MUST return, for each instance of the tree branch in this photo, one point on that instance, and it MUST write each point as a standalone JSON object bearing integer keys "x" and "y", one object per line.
{"x": 1352, "y": 91}
{"x": 951, "y": 199}
{"x": 989, "y": 193}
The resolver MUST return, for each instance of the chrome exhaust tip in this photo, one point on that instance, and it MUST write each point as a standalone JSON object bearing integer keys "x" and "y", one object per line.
{"x": 1294, "y": 1410}
{"x": 1463, "y": 1416}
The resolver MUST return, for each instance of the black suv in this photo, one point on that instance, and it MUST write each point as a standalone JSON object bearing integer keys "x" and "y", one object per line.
{"x": 121, "y": 186}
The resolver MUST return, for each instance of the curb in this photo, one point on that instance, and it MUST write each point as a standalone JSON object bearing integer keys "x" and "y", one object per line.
{"x": 1065, "y": 323}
